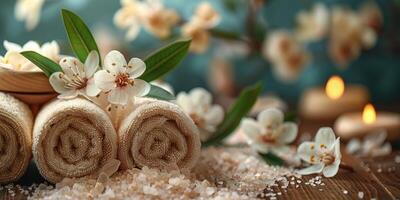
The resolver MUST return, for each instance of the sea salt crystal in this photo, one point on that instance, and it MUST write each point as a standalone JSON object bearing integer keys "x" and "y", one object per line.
{"x": 345, "y": 192}
{"x": 360, "y": 195}
{"x": 150, "y": 190}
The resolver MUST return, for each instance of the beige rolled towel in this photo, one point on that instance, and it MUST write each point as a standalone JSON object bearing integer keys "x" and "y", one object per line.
{"x": 72, "y": 138}
{"x": 15, "y": 138}
{"x": 158, "y": 134}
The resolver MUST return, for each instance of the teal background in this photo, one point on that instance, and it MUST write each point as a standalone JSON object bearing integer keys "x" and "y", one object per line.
{"x": 378, "y": 68}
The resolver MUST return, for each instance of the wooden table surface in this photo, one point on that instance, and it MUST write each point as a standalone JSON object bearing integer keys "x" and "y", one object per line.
{"x": 376, "y": 178}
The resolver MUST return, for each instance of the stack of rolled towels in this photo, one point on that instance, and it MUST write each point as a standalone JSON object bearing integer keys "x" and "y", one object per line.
{"x": 76, "y": 138}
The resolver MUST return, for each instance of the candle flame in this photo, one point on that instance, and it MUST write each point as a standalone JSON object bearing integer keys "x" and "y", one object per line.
{"x": 369, "y": 114}
{"x": 334, "y": 87}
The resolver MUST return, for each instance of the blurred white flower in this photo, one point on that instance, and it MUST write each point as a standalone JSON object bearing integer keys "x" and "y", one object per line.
{"x": 15, "y": 61}
{"x": 371, "y": 15}
{"x": 204, "y": 18}
{"x": 76, "y": 78}
{"x": 286, "y": 54}
{"x": 323, "y": 154}
{"x": 29, "y": 11}
{"x": 349, "y": 35}
{"x": 198, "y": 105}
{"x": 200, "y": 36}
{"x": 151, "y": 14}
{"x": 128, "y": 17}
{"x": 158, "y": 20}
{"x": 373, "y": 145}
{"x": 270, "y": 133}
{"x": 313, "y": 25}
{"x": 120, "y": 79}
{"x": 206, "y": 15}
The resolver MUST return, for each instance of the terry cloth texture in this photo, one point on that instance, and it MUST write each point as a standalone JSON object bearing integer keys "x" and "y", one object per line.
{"x": 72, "y": 138}
{"x": 15, "y": 138}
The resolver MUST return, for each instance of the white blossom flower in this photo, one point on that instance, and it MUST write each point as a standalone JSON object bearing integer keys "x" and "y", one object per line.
{"x": 313, "y": 25}
{"x": 198, "y": 105}
{"x": 373, "y": 145}
{"x": 151, "y": 14}
{"x": 157, "y": 19}
{"x": 76, "y": 78}
{"x": 15, "y": 61}
{"x": 128, "y": 17}
{"x": 29, "y": 11}
{"x": 286, "y": 54}
{"x": 270, "y": 133}
{"x": 206, "y": 15}
{"x": 120, "y": 79}
{"x": 371, "y": 15}
{"x": 349, "y": 35}
{"x": 323, "y": 154}
{"x": 199, "y": 35}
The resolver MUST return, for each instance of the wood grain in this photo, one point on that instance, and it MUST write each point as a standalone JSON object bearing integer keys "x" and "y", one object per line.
{"x": 24, "y": 82}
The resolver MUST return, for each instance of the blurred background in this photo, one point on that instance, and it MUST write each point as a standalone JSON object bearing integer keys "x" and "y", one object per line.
{"x": 289, "y": 45}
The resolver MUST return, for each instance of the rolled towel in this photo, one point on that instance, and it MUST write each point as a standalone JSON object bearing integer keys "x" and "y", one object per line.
{"x": 158, "y": 134}
{"x": 72, "y": 138}
{"x": 15, "y": 138}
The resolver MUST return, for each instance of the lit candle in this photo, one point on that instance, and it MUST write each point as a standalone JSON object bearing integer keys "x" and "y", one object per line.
{"x": 358, "y": 124}
{"x": 334, "y": 100}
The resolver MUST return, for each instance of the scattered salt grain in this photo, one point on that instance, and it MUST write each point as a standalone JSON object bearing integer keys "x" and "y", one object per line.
{"x": 221, "y": 173}
{"x": 345, "y": 192}
{"x": 360, "y": 195}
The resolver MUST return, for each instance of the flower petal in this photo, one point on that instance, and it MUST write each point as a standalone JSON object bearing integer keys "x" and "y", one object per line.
{"x": 260, "y": 147}
{"x": 251, "y": 128}
{"x": 306, "y": 151}
{"x": 70, "y": 94}
{"x": 336, "y": 150}
{"x": 118, "y": 96}
{"x": 270, "y": 117}
{"x": 91, "y": 89}
{"x": 289, "y": 133}
{"x": 331, "y": 170}
{"x": 183, "y": 100}
{"x": 104, "y": 80}
{"x": 72, "y": 66}
{"x": 57, "y": 83}
{"x": 313, "y": 169}
{"x": 133, "y": 31}
{"x": 215, "y": 115}
{"x": 140, "y": 88}
{"x": 31, "y": 46}
{"x": 114, "y": 61}
{"x": 10, "y": 46}
{"x": 91, "y": 64}
{"x": 136, "y": 67}
{"x": 324, "y": 139}
{"x": 281, "y": 150}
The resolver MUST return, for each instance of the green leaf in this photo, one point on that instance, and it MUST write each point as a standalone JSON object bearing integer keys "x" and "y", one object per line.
{"x": 272, "y": 159}
{"x": 165, "y": 59}
{"x": 159, "y": 93}
{"x": 80, "y": 37}
{"x": 45, "y": 64}
{"x": 240, "y": 109}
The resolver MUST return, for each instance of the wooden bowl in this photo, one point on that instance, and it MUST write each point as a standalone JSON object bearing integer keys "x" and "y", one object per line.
{"x": 33, "y": 88}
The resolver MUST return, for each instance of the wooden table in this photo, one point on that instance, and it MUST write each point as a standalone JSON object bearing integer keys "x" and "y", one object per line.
{"x": 377, "y": 178}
